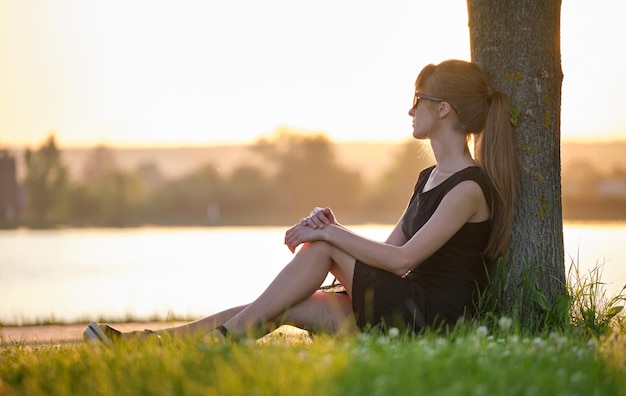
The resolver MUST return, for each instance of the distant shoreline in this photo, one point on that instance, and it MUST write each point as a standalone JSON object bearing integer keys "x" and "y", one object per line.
{"x": 370, "y": 157}
{"x": 201, "y": 145}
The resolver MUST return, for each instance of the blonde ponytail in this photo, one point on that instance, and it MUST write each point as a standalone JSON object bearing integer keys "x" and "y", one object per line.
{"x": 485, "y": 113}
{"x": 495, "y": 153}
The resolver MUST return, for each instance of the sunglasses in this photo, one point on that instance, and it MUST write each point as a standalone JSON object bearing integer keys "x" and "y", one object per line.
{"x": 419, "y": 96}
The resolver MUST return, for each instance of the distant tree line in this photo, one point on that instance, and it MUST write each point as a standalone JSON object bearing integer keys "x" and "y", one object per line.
{"x": 298, "y": 173}
{"x": 589, "y": 194}
{"x": 294, "y": 173}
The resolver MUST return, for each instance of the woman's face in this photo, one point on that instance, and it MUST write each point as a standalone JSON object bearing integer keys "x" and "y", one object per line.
{"x": 422, "y": 119}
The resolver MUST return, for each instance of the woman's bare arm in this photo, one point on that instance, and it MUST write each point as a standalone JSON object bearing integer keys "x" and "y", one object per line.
{"x": 458, "y": 207}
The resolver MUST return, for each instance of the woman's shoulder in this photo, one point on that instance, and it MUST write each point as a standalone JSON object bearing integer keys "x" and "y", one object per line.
{"x": 473, "y": 173}
{"x": 469, "y": 176}
{"x": 476, "y": 175}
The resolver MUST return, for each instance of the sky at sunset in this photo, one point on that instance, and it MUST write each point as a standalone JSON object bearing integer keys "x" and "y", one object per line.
{"x": 131, "y": 72}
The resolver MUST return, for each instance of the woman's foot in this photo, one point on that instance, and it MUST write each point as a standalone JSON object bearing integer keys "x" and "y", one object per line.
{"x": 220, "y": 334}
{"x": 105, "y": 334}
{"x": 101, "y": 333}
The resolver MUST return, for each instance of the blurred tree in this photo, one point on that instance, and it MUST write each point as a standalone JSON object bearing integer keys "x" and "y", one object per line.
{"x": 45, "y": 181}
{"x": 581, "y": 179}
{"x": 99, "y": 162}
{"x": 308, "y": 175}
{"x": 390, "y": 193}
{"x": 187, "y": 200}
{"x": 150, "y": 176}
{"x": 83, "y": 206}
{"x": 249, "y": 197}
{"x": 119, "y": 194}
{"x": 109, "y": 195}
{"x": 8, "y": 190}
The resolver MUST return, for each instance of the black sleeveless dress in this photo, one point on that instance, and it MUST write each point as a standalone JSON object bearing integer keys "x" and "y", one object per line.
{"x": 443, "y": 287}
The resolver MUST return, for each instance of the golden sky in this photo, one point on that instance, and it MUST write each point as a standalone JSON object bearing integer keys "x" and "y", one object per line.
{"x": 132, "y": 72}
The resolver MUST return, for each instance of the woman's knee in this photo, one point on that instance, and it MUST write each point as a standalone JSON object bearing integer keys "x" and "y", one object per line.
{"x": 341, "y": 264}
{"x": 319, "y": 247}
{"x": 336, "y": 255}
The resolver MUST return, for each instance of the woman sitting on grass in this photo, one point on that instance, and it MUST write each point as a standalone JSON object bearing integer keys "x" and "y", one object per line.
{"x": 429, "y": 270}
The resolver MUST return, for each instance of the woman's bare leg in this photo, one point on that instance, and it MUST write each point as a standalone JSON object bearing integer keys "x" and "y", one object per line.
{"x": 295, "y": 284}
{"x": 290, "y": 299}
{"x": 204, "y": 325}
{"x": 198, "y": 327}
{"x": 322, "y": 312}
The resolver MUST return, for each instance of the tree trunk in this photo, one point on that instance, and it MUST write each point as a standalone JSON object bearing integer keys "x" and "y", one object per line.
{"x": 518, "y": 43}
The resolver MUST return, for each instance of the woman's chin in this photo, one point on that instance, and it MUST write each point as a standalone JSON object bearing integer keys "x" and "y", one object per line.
{"x": 419, "y": 136}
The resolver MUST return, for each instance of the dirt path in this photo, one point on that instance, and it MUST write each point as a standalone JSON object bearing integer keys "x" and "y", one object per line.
{"x": 56, "y": 334}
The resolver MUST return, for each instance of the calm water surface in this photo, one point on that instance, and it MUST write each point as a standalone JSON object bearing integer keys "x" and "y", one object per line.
{"x": 78, "y": 274}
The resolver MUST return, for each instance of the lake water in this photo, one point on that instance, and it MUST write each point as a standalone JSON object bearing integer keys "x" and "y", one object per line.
{"x": 89, "y": 273}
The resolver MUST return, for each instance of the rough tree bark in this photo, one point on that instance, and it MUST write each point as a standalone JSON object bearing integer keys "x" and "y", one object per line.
{"x": 518, "y": 43}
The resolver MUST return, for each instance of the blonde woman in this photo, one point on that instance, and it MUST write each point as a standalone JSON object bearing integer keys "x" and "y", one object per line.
{"x": 429, "y": 270}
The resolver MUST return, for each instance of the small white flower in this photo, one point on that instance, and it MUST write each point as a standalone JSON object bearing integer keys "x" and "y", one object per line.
{"x": 539, "y": 343}
{"x": 363, "y": 337}
{"x": 394, "y": 332}
{"x": 505, "y": 323}
{"x": 482, "y": 331}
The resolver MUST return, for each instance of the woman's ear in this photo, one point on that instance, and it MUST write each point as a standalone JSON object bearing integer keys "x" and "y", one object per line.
{"x": 444, "y": 109}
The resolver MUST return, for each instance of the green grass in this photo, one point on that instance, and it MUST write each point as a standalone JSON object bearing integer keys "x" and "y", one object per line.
{"x": 491, "y": 356}
{"x": 469, "y": 361}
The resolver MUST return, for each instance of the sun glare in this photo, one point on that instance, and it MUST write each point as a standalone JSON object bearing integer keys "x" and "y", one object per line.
{"x": 142, "y": 73}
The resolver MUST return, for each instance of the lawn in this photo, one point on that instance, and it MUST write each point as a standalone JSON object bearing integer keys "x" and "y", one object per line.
{"x": 471, "y": 360}
{"x": 491, "y": 356}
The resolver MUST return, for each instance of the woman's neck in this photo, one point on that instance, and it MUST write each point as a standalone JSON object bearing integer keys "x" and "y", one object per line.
{"x": 451, "y": 152}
